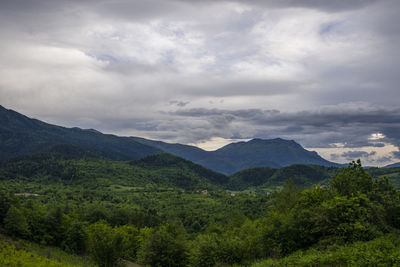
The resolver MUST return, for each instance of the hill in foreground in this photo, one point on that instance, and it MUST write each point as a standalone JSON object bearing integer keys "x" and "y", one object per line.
{"x": 163, "y": 170}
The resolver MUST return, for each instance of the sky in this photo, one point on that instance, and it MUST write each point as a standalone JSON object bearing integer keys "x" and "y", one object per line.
{"x": 323, "y": 73}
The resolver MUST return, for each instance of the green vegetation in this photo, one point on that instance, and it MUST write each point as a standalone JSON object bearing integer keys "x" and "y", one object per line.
{"x": 302, "y": 175}
{"x": 382, "y": 251}
{"x": 21, "y": 136}
{"x": 24, "y": 253}
{"x": 165, "y": 211}
{"x": 393, "y": 174}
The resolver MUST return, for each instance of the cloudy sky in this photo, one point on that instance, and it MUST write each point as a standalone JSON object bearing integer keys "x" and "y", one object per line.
{"x": 324, "y": 73}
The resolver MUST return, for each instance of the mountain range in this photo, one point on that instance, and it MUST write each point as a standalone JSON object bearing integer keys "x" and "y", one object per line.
{"x": 20, "y": 135}
{"x": 272, "y": 153}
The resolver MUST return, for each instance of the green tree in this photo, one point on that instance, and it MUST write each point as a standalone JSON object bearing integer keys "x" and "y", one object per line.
{"x": 15, "y": 223}
{"x": 6, "y": 200}
{"x": 75, "y": 238}
{"x": 204, "y": 250}
{"x": 165, "y": 247}
{"x": 352, "y": 180}
{"x": 105, "y": 245}
{"x": 130, "y": 242}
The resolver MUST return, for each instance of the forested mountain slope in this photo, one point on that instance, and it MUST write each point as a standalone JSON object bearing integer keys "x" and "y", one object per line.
{"x": 162, "y": 171}
{"x": 21, "y": 135}
{"x": 273, "y": 153}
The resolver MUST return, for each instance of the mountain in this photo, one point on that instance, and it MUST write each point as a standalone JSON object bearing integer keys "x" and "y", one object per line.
{"x": 273, "y": 153}
{"x": 207, "y": 159}
{"x": 269, "y": 153}
{"x": 394, "y": 165}
{"x": 20, "y": 135}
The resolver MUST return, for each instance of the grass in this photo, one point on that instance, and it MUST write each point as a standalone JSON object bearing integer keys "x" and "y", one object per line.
{"x": 23, "y": 253}
{"x": 383, "y": 251}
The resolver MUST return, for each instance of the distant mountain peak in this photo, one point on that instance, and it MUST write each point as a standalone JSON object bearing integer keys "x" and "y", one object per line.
{"x": 273, "y": 140}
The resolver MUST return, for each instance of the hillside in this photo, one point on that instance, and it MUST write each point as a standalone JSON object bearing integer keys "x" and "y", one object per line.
{"x": 269, "y": 153}
{"x": 394, "y": 165}
{"x": 302, "y": 175}
{"x": 393, "y": 174}
{"x": 274, "y": 153}
{"x": 20, "y": 135}
{"x": 172, "y": 165}
{"x": 137, "y": 211}
{"x": 162, "y": 171}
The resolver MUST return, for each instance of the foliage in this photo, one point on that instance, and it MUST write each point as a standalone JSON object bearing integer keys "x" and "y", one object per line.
{"x": 105, "y": 244}
{"x": 164, "y": 247}
{"x": 352, "y": 180}
{"x": 11, "y": 256}
{"x": 25, "y": 254}
{"x": 383, "y": 251}
{"x": 15, "y": 223}
{"x": 142, "y": 212}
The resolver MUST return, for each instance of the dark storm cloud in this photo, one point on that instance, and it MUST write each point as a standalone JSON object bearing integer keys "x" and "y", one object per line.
{"x": 351, "y": 155}
{"x": 396, "y": 154}
{"x": 334, "y": 157}
{"x": 328, "y": 6}
{"x": 383, "y": 159}
{"x": 178, "y": 103}
{"x": 324, "y": 73}
{"x": 333, "y": 116}
{"x": 316, "y": 128}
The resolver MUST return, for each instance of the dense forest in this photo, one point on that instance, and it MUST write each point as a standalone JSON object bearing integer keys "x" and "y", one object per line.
{"x": 66, "y": 208}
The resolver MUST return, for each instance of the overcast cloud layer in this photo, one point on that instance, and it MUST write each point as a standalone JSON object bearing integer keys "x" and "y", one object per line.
{"x": 324, "y": 73}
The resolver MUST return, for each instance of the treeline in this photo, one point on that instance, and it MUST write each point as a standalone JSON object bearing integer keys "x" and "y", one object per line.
{"x": 353, "y": 207}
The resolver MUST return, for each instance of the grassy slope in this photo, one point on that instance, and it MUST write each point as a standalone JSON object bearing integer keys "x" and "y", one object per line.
{"x": 383, "y": 251}
{"x": 26, "y": 254}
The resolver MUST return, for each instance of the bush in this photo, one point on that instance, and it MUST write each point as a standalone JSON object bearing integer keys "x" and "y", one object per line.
{"x": 15, "y": 223}
{"x": 165, "y": 247}
{"x": 105, "y": 245}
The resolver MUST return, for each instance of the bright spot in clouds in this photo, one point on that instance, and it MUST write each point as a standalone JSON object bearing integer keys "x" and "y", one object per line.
{"x": 376, "y": 136}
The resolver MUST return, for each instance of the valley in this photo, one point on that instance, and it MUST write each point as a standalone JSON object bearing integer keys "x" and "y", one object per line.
{"x": 72, "y": 197}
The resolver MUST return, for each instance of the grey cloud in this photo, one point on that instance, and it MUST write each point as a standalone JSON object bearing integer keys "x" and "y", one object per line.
{"x": 135, "y": 8}
{"x": 328, "y": 6}
{"x": 235, "y": 87}
{"x": 383, "y": 159}
{"x": 325, "y": 117}
{"x": 111, "y": 65}
{"x": 378, "y": 144}
{"x": 334, "y": 156}
{"x": 178, "y": 103}
{"x": 351, "y": 155}
{"x": 315, "y": 128}
{"x": 396, "y": 154}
